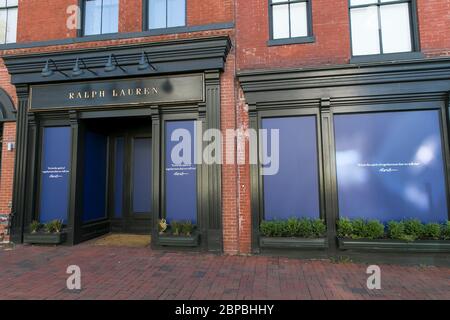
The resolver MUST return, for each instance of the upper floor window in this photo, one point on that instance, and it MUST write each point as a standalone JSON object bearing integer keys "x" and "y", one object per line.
{"x": 381, "y": 26}
{"x": 290, "y": 18}
{"x": 166, "y": 13}
{"x": 100, "y": 16}
{"x": 8, "y": 21}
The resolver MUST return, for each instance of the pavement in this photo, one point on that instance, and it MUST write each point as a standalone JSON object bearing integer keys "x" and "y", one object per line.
{"x": 116, "y": 272}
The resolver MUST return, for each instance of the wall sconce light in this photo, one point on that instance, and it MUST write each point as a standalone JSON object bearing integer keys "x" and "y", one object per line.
{"x": 77, "y": 71}
{"x": 10, "y": 146}
{"x": 47, "y": 71}
{"x": 145, "y": 63}
{"x": 110, "y": 66}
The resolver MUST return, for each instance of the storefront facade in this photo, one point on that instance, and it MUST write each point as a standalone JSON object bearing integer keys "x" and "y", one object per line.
{"x": 352, "y": 112}
{"x": 91, "y": 152}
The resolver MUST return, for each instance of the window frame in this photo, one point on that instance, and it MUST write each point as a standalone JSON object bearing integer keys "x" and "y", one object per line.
{"x": 414, "y": 28}
{"x": 7, "y": 8}
{"x": 81, "y": 33}
{"x": 146, "y": 17}
{"x": 309, "y": 38}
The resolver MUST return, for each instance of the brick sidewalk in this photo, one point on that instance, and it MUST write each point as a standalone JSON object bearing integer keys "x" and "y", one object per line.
{"x": 141, "y": 273}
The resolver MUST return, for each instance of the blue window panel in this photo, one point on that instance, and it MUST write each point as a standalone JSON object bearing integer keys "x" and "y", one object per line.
{"x": 95, "y": 173}
{"x": 93, "y": 17}
{"x": 101, "y": 16}
{"x": 180, "y": 178}
{"x": 110, "y": 16}
{"x": 55, "y": 174}
{"x": 142, "y": 175}
{"x": 390, "y": 166}
{"x": 157, "y": 14}
{"x": 176, "y": 13}
{"x": 294, "y": 190}
{"x": 119, "y": 160}
{"x": 166, "y": 13}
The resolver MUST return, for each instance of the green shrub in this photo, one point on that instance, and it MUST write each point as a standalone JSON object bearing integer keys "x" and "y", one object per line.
{"x": 175, "y": 227}
{"x": 359, "y": 229}
{"x": 414, "y": 228}
{"x": 345, "y": 228}
{"x": 293, "y": 227}
{"x": 319, "y": 228}
{"x": 432, "y": 231}
{"x": 396, "y": 231}
{"x": 35, "y": 226}
{"x": 305, "y": 228}
{"x": 374, "y": 230}
{"x": 445, "y": 231}
{"x": 53, "y": 226}
{"x": 186, "y": 228}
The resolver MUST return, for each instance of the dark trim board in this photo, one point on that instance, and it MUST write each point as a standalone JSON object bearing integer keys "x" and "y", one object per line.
{"x": 118, "y": 36}
{"x": 422, "y": 84}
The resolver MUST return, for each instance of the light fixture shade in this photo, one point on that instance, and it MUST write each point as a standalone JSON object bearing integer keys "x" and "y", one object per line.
{"x": 143, "y": 63}
{"x": 109, "y": 65}
{"x": 46, "y": 71}
{"x": 76, "y": 71}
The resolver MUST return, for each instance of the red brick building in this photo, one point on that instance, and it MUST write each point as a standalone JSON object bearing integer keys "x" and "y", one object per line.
{"x": 99, "y": 86}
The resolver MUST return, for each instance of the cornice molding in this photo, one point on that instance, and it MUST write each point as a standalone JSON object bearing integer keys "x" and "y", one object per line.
{"x": 186, "y": 55}
{"x": 346, "y": 75}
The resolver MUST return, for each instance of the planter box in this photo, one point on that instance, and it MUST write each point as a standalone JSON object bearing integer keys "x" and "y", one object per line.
{"x": 292, "y": 243}
{"x": 179, "y": 241}
{"x": 395, "y": 245}
{"x": 45, "y": 238}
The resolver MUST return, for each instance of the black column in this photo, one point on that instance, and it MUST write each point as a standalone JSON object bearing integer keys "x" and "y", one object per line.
{"x": 212, "y": 174}
{"x": 18, "y": 207}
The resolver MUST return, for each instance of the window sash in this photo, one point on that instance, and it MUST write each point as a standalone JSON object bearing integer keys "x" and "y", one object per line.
{"x": 8, "y": 28}
{"x": 289, "y": 4}
{"x": 379, "y": 4}
{"x": 171, "y": 17}
{"x": 100, "y": 28}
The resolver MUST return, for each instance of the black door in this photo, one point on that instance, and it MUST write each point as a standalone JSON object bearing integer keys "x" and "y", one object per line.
{"x": 130, "y": 194}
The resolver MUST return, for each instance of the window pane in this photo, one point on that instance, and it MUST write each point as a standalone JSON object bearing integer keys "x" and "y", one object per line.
{"x": 365, "y": 36}
{"x": 119, "y": 161}
{"x": 142, "y": 175}
{"x": 299, "y": 20}
{"x": 294, "y": 190}
{"x": 2, "y": 3}
{"x": 280, "y": 21}
{"x": 157, "y": 14}
{"x": 55, "y": 174}
{"x": 362, "y": 2}
{"x": 110, "y": 21}
{"x": 176, "y": 13}
{"x": 13, "y": 3}
{"x": 95, "y": 171}
{"x": 396, "y": 28}
{"x": 92, "y": 17}
{"x": 11, "y": 28}
{"x": 390, "y": 166}
{"x": 2, "y": 26}
{"x": 180, "y": 171}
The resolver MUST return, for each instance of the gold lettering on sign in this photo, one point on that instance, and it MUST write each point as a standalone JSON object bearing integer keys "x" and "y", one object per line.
{"x": 94, "y": 94}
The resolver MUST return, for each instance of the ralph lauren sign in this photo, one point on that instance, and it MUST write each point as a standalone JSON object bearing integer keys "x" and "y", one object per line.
{"x": 170, "y": 89}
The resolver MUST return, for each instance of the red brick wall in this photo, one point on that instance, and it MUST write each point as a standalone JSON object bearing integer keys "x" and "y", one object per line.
{"x": 434, "y": 26}
{"x": 206, "y": 12}
{"x": 7, "y": 170}
{"x": 330, "y": 27}
{"x": 41, "y": 20}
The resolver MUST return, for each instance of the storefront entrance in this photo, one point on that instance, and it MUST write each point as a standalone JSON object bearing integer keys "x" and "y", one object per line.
{"x": 128, "y": 171}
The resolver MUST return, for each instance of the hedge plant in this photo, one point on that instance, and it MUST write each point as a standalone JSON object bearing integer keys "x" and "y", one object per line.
{"x": 294, "y": 227}
{"x": 406, "y": 230}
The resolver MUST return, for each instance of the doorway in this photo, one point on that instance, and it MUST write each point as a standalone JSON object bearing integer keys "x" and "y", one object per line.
{"x": 129, "y": 173}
